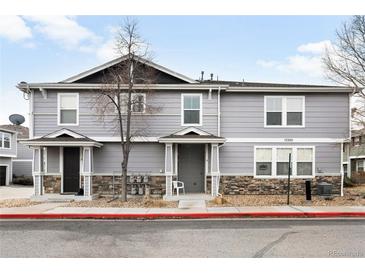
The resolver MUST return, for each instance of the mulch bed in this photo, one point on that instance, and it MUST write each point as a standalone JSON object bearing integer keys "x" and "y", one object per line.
{"x": 354, "y": 196}
{"x": 17, "y": 203}
{"x": 130, "y": 203}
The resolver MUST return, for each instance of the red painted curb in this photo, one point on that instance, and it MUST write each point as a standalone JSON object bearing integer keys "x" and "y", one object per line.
{"x": 202, "y": 215}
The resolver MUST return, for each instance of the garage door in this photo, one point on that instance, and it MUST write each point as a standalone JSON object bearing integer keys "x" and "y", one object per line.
{"x": 2, "y": 175}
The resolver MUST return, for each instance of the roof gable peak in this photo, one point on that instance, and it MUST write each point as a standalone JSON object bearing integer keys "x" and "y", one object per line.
{"x": 121, "y": 59}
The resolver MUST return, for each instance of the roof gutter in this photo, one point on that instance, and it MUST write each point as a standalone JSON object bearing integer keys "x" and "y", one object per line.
{"x": 22, "y": 86}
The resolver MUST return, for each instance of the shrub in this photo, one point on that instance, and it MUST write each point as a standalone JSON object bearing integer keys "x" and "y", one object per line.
{"x": 25, "y": 181}
{"x": 348, "y": 182}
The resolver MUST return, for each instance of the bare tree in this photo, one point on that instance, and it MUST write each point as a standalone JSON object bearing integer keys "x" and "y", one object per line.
{"x": 121, "y": 96}
{"x": 345, "y": 61}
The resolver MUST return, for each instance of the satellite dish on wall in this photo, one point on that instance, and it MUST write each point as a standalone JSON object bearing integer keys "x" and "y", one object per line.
{"x": 16, "y": 119}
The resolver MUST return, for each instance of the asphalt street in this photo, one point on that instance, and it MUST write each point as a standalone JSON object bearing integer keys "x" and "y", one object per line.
{"x": 335, "y": 238}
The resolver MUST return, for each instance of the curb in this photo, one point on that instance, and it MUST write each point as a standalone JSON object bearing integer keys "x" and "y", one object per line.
{"x": 183, "y": 215}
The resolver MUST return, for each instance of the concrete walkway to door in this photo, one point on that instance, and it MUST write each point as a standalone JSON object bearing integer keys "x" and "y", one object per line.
{"x": 16, "y": 192}
{"x": 193, "y": 200}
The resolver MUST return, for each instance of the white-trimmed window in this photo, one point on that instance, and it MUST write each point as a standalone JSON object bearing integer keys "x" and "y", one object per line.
{"x": 360, "y": 165}
{"x": 191, "y": 109}
{"x": 284, "y": 111}
{"x": 138, "y": 102}
{"x": 5, "y": 140}
{"x": 264, "y": 161}
{"x": 68, "y": 108}
{"x": 274, "y": 161}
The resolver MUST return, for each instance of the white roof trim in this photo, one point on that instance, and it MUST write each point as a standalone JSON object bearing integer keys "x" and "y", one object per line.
{"x": 192, "y": 140}
{"x": 74, "y": 86}
{"x": 62, "y": 143}
{"x": 117, "y": 60}
{"x": 192, "y": 129}
{"x": 64, "y": 131}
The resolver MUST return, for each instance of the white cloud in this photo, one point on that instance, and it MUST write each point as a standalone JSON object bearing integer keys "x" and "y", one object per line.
{"x": 315, "y": 48}
{"x": 14, "y": 28}
{"x": 66, "y": 31}
{"x": 307, "y": 61}
{"x": 107, "y": 51}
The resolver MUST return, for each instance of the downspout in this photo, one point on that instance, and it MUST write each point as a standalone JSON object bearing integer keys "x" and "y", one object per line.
{"x": 342, "y": 171}
{"x": 219, "y": 112}
{"x": 31, "y": 116}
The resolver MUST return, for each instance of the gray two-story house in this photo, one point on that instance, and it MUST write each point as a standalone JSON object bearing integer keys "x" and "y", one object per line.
{"x": 8, "y": 149}
{"x": 215, "y": 136}
{"x": 15, "y": 158}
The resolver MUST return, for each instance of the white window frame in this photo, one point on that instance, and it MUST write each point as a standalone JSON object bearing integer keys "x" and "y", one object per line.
{"x": 134, "y": 94}
{"x": 357, "y": 165}
{"x": 59, "y": 95}
{"x": 200, "y": 109}
{"x": 284, "y": 112}
{"x": 2, "y": 140}
{"x": 294, "y": 162}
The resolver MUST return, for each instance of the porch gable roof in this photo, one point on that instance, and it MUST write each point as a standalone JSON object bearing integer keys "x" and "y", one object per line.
{"x": 62, "y": 137}
{"x": 191, "y": 135}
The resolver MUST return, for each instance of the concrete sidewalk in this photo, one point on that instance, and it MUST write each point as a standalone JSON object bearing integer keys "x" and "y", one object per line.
{"x": 56, "y": 210}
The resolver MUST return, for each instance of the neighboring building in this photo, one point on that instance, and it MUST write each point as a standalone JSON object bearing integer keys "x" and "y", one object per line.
{"x": 354, "y": 157}
{"x": 8, "y": 142}
{"x": 215, "y": 136}
{"x": 15, "y": 158}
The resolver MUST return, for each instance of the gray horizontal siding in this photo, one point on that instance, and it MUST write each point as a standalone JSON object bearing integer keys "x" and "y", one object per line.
{"x": 238, "y": 158}
{"x": 12, "y": 150}
{"x": 24, "y": 152}
{"x": 144, "y": 158}
{"x": 166, "y": 106}
{"x": 326, "y": 116}
{"x": 22, "y": 168}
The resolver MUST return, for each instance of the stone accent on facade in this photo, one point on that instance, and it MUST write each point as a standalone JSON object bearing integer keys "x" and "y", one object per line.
{"x": 52, "y": 184}
{"x": 209, "y": 185}
{"x": 233, "y": 185}
{"x": 103, "y": 185}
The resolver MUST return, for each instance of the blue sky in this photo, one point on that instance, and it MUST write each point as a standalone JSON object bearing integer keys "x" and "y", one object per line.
{"x": 257, "y": 48}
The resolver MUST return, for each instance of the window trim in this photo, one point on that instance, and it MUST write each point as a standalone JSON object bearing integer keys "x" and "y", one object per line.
{"x": 200, "y": 109}
{"x": 134, "y": 93}
{"x": 294, "y": 163}
{"x": 284, "y": 112}
{"x": 59, "y": 95}
{"x": 357, "y": 165}
{"x": 2, "y": 140}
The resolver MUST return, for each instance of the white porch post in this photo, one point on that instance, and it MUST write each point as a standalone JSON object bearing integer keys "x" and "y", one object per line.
{"x": 87, "y": 170}
{"x": 214, "y": 169}
{"x": 168, "y": 169}
{"x": 37, "y": 171}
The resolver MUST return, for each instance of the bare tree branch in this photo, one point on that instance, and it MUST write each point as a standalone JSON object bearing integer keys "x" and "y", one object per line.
{"x": 345, "y": 61}
{"x": 115, "y": 103}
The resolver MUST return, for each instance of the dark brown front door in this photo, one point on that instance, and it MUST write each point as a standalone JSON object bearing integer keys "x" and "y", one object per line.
{"x": 71, "y": 169}
{"x": 2, "y": 175}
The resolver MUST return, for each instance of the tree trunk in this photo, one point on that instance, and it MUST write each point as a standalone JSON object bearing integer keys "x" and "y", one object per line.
{"x": 124, "y": 183}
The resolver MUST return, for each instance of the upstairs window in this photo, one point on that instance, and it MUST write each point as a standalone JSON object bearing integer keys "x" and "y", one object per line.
{"x": 138, "y": 102}
{"x": 191, "y": 109}
{"x": 68, "y": 108}
{"x": 284, "y": 111}
{"x": 4, "y": 140}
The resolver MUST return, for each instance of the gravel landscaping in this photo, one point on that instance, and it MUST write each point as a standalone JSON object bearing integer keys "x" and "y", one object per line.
{"x": 354, "y": 196}
{"x": 16, "y": 203}
{"x": 133, "y": 202}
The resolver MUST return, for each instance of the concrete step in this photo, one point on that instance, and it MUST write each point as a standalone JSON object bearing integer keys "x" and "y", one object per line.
{"x": 192, "y": 204}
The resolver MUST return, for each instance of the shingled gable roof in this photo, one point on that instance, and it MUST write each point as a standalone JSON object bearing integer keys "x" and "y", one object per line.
{"x": 82, "y": 75}
{"x": 63, "y": 137}
{"x": 191, "y": 134}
